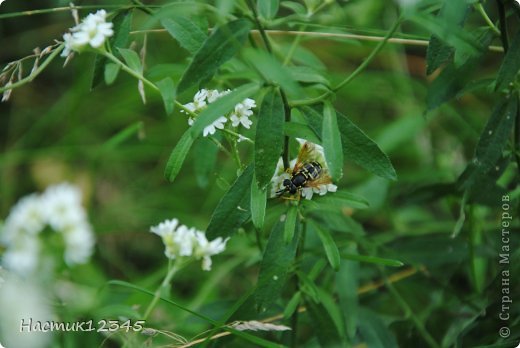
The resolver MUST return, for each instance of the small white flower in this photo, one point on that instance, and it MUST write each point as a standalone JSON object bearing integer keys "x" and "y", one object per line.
{"x": 62, "y": 206}
{"x": 26, "y": 216}
{"x": 213, "y": 95}
{"x": 181, "y": 241}
{"x": 22, "y": 256}
{"x": 242, "y": 112}
{"x": 79, "y": 244}
{"x": 212, "y": 128}
{"x": 237, "y": 120}
{"x": 93, "y": 31}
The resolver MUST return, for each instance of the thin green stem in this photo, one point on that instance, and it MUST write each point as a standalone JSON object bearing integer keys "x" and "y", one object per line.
{"x": 36, "y": 72}
{"x": 503, "y": 25}
{"x": 68, "y": 8}
{"x": 294, "y": 44}
{"x": 238, "y": 136}
{"x": 355, "y": 73}
{"x": 260, "y": 27}
{"x": 220, "y": 145}
{"x": 409, "y": 313}
{"x": 489, "y": 22}
{"x": 147, "y": 82}
{"x": 172, "y": 269}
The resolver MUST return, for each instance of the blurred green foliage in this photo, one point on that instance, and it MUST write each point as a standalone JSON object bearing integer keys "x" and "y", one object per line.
{"x": 440, "y": 220}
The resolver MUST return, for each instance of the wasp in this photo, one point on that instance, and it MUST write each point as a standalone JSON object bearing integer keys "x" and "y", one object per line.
{"x": 307, "y": 172}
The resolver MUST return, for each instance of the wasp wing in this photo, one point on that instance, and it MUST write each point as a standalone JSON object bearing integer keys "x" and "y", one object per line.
{"x": 306, "y": 154}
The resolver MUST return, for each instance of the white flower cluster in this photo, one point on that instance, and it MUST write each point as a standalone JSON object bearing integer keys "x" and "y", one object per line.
{"x": 239, "y": 116}
{"x": 307, "y": 192}
{"x": 93, "y": 31}
{"x": 181, "y": 241}
{"x": 59, "y": 207}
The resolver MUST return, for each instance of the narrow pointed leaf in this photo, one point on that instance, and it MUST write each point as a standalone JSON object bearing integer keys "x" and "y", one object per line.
{"x": 278, "y": 258}
{"x": 346, "y": 287}
{"x": 268, "y": 8}
{"x": 131, "y": 59}
{"x": 258, "y": 204}
{"x": 510, "y": 64}
{"x": 324, "y": 326}
{"x": 206, "y": 153}
{"x": 189, "y": 35}
{"x": 111, "y": 72}
{"x": 233, "y": 209}
{"x": 178, "y": 155}
{"x": 167, "y": 90}
{"x": 357, "y": 146}
{"x": 331, "y": 250}
{"x": 221, "y": 107}
{"x": 218, "y": 48}
{"x": 269, "y": 137}
{"x": 331, "y": 141}
{"x": 290, "y": 224}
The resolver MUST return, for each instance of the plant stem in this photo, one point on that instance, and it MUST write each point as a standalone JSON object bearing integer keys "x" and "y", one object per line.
{"x": 68, "y": 8}
{"x": 287, "y": 112}
{"x": 503, "y": 25}
{"x": 36, "y": 72}
{"x": 355, "y": 73}
{"x": 172, "y": 269}
{"x": 409, "y": 313}
{"x": 147, "y": 82}
{"x": 236, "y": 135}
{"x": 265, "y": 39}
{"x": 489, "y": 22}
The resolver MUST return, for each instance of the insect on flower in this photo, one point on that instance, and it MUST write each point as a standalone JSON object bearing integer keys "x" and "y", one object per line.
{"x": 306, "y": 173}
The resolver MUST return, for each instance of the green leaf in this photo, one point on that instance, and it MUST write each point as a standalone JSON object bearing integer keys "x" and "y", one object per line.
{"x": 206, "y": 153}
{"x": 324, "y": 326}
{"x": 510, "y": 65}
{"x": 357, "y": 146}
{"x": 307, "y": 75}
{"x": 267, "y": 8}
{"x": 331, "y": 250}
{"x": 122, "y": 24}
{"x": 269, "y": 137}
{"x": 111, "y": 72}
{"x": 346, "y": 287}
{"x": 300, "y": 130}
{"x": 455, "y": 77}
{"x": 290, "y": 223}
{"x": 218, "y": 48}
{"x": 337, "y": 201}
{"x": 294, "y": 6}
{"x": 374, "y": 331}
{"x": 167, "y": 90}
{"x": 189, "y": 35}
{"x": 452, "y": 14}
{"x": 258, "y": 204}
{"x": 292, "y": 305}
{"x": 273, "y": 71}
{"x": 123, "y": 135}
{"x": 233, "y": 209}
{"x": 177, "y": 157}
{"x": 331, "y": 140}
{"x": 277, "y": 260}
{"x": 492, "y": 142}
{"x": 132, "y": 59}
{"x": 221, "y": 107}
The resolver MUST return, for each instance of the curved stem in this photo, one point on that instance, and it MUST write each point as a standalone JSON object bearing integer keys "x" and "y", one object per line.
{"x": 147, "y": 82}
{"x": 36, "y": 72}
{"x": 355, "y": 73}
{"x": 489, "y": 22}
{"x": 172, "y": 269}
